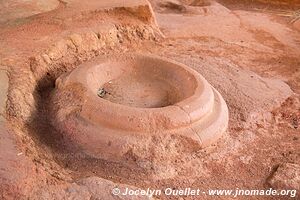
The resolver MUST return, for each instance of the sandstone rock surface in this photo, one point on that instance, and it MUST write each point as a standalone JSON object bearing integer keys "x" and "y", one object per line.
{"x": 20, "y": 9}
{"x": 287, "y": 176}
{"x": 89, "y": 188}
{"x": 4, "y": 83}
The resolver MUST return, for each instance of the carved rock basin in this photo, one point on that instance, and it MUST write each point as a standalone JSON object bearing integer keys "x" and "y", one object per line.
{"x": 142, "y": 97}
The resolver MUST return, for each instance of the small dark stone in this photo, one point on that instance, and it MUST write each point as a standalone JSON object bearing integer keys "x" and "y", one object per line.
{"x": 101, "y": 92}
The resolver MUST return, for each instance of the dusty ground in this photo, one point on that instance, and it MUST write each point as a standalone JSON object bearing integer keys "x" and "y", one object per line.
{"x": 249, "y": 52}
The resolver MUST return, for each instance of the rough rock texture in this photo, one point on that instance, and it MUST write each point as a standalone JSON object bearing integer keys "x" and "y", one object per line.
{"x": 243, "y": 85}
{"x": 141, "y": 9}
{"x": 287, "y": 176}
{"x": 16, "y": 170}
{"x": 265, "y": 3}
{"x": 222, "y": 23}
{"x": 297, "y": 24}
{"x": 204, "y": 17}
{"x": 87, "y": 188}
{"x": 69, "y": 48}
{"x": 11, "y": 10}
{"x": 239, "y": 86}
{"x": 4, "y": 83}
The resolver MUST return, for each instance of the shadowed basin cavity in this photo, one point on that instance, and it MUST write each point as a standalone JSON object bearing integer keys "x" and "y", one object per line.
{"x": 142, "y": 84}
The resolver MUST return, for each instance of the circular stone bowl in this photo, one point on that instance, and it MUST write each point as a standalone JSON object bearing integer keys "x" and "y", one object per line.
{"x": 124, "y": 102}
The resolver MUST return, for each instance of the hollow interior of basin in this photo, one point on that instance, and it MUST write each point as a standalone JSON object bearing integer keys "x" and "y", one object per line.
{"x": 135, "y": 90}
{"x": 142, "y": 83}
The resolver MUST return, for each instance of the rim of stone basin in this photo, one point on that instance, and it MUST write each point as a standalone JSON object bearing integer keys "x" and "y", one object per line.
{"x": 108, "y": 130}
{"x": 101, "y": 111}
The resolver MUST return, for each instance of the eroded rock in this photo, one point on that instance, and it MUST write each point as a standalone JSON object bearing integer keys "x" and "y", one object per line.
{"x": 3, "y": 92}
{"x": 287, "y": 176}
{"x": 18, "y": 9}
{"x": 297, "y": 24}
{"x": 88, "y": 188}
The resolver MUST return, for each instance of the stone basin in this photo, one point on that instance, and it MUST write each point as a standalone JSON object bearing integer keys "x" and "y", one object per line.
{"x": 127, "y": 100}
